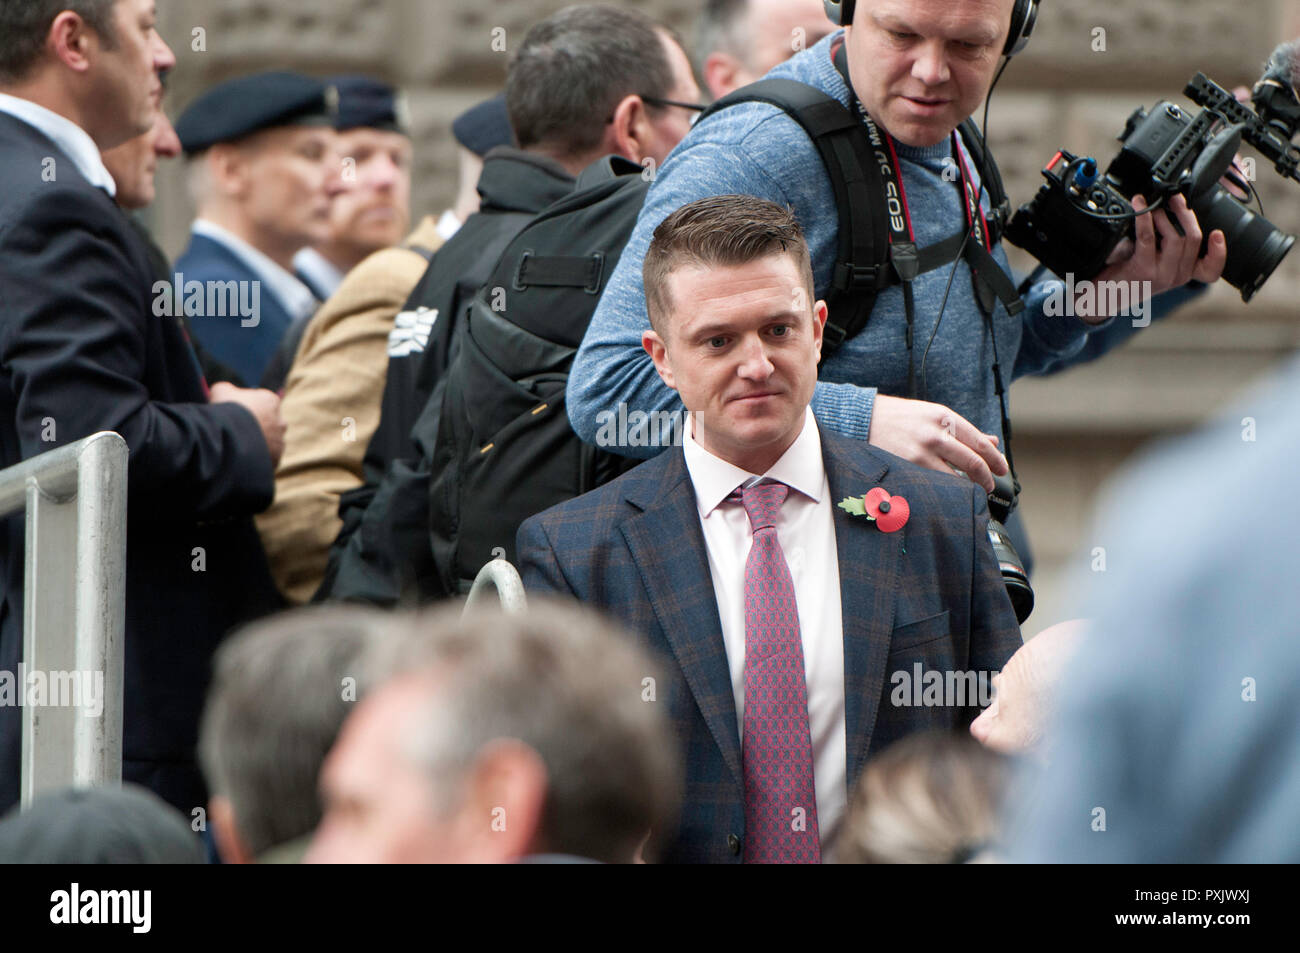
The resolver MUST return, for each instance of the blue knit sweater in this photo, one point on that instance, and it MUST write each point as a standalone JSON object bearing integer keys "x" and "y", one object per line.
{"x": 757, "y": 149}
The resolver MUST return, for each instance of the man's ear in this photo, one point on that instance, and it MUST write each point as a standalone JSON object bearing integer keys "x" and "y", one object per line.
{"x": 69, "y": 40}
{"x": 228, "y": 167}
{"x": 723, "y": 73}
{"x": 628, "y": 134}
{"x": 820, "y": 314}
{"x": 230, "y": 845}
{"x": 505, "y": 795}
{"x": 658, "y": 351}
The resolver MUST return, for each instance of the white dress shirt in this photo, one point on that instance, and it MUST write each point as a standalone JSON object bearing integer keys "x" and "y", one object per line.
{"x": 295, "y": 296}
{"x": 65, "y": 134}
{"x": 806, "y": 530}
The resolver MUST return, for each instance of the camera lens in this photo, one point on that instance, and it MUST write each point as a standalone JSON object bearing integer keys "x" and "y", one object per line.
{"x": 1255, "y": 246}
{"x": 1014, "y": 576}
{"x": 1012, "y": 567}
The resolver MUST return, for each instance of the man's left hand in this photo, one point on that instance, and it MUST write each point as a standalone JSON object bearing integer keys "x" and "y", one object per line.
{"x": 1177, "y": 259}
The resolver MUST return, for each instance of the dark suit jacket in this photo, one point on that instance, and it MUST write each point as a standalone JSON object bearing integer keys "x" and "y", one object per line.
{"x": 246, "y": 350}
{"x": 81, "y": 351}
{"x": 212, "y": 369}
{"x": 930, "y": 593}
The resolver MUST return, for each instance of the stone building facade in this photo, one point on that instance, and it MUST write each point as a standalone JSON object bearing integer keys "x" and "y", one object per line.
{"x": 1090, "y": 64}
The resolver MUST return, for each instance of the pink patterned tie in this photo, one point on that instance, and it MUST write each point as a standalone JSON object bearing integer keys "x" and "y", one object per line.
{"x": 780, "y": 799}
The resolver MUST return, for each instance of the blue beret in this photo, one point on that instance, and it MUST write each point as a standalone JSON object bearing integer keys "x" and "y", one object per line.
{"x": 240, "y": 107}
{"x": 365, "y": 102}
{"x": 482, "y": 128}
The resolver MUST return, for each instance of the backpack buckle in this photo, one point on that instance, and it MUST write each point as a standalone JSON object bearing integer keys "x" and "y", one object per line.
{"x": 832, "y": 337}
{"x": 849, "y": 276}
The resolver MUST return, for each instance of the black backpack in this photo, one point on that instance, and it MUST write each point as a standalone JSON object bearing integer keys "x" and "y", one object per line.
{"x": 505, "y": 449}
{"x": 864, "y": 263}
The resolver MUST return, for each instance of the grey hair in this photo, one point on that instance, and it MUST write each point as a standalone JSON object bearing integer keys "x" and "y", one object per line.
{"x": 724, "y": 27}
{"x": 929, "y": 798}
{"x": 280, "y": 692}
{"x": 571, "y": 686}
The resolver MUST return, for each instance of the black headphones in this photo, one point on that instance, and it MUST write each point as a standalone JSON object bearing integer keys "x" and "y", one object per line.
{"x": 1023, "y": 18}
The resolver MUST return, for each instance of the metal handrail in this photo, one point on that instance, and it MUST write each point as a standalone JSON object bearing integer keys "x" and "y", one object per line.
{"x": 502, "y": 576}
{"x": 74, "y": 611}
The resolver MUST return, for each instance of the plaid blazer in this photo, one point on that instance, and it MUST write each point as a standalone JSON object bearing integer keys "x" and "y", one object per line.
{"x": 930, "y": 594}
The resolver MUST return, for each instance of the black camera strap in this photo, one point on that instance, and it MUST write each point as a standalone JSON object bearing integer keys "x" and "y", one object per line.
{"x": 989, "y": 282}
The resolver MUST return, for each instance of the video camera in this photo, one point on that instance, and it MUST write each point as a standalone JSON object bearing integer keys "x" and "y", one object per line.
{"x": 1077, "y": 218}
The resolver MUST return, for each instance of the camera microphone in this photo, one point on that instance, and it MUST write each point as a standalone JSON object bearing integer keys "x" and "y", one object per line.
{"x": 1275, "y": 96}
{"x": 1284, "y": 65}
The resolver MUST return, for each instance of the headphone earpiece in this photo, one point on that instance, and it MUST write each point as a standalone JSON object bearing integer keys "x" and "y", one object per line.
{"x": 1023, "y": 18}
{"x": 839, "y": 12}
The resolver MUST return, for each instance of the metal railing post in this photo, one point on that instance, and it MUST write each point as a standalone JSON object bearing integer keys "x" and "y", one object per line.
{"x": 74, "y": 611}
{"x": 501, "y": 575}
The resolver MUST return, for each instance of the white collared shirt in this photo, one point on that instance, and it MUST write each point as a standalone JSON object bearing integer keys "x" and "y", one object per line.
{"x": 65, "y": 134}
{"x": 318, "y": 269}
{"x": 448, "y": 225}
{"x": 805, "y": 528}
{"x": 292, "y": 293}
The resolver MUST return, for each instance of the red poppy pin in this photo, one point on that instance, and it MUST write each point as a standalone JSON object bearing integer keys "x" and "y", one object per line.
{"x": 889, "y": 513}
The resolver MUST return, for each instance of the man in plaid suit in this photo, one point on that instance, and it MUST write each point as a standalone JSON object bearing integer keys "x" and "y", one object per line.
{"x": 814, "y": 598}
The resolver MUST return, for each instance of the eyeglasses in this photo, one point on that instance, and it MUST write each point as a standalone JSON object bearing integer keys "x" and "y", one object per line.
{"x": 696, "y": 108}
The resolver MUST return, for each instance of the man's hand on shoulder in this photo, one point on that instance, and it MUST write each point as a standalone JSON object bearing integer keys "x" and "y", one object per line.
{"x": 933, "y": 436}
{"x": 265, "y": 408}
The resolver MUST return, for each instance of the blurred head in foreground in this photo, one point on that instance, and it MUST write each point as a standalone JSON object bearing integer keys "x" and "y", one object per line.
{"x": 1027, "y": 689}
{"x": 496, "y": 738}
{"x": 930, "y": 798}
{"x": 280, "y": 691}
{"x": 109, "y": 825}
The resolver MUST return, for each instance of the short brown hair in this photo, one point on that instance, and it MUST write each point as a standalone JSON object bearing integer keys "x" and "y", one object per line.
{"x": 719, "y": 230}
{"x": 573, "y": 68}
{"x": 25, "y": 25}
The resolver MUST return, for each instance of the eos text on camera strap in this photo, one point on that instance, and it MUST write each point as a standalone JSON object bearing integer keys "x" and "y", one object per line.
{"x": 906, "y": 259}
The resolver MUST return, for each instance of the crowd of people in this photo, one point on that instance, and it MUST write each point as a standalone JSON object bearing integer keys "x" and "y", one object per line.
{"x": 772, "y": 639}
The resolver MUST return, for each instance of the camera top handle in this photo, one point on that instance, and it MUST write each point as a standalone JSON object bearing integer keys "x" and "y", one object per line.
{"x": 1266, "y": 138}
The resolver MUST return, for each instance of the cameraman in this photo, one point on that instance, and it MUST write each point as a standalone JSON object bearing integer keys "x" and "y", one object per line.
{"x": 919, "y": 68}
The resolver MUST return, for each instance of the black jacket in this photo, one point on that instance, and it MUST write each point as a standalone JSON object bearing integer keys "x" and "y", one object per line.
{"x": 382, "y": 555}
{"x": 81, "y": 351}
{"x": 212, "y": 369}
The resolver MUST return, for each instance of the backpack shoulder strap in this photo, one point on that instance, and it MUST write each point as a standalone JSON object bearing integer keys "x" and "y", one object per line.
{"x": 862, "y": 267}
{"x": 990, "y": 176}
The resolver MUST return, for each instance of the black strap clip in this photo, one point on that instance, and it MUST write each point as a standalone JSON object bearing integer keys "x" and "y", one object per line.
{"x": 906, "y": 260}
{"x": 849, "y": 276}
{"x": 832, "y": 337}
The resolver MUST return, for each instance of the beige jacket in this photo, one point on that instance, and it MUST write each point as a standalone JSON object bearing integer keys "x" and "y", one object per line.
{"x": 331, "y": 409}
